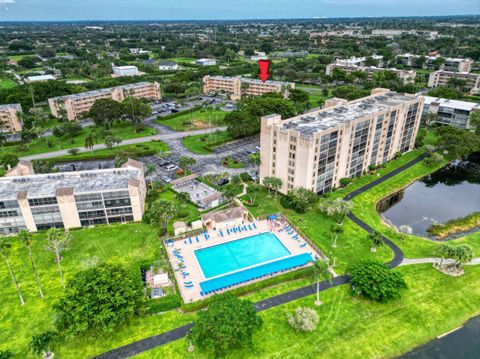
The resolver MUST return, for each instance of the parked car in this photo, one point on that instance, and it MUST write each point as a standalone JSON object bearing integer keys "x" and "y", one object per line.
{"x": 223, "y": 181}
{"x": 171, "y": 167}
{"x": 166, "y": 179}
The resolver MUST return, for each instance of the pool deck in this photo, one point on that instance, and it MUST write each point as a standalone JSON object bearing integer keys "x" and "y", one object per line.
{"x": 192, "y": 267}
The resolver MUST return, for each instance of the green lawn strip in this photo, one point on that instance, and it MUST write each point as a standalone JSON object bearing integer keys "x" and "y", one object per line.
{"x": 186, "y": 121}
{"x": 230, "y": 162}
{"x": 357, "y": 328}
{"x": 127, "y": 244}
{"x": 138, "y": 149}
{"x": 413, "y": 246}
{"x": 205, "y": 144}
{"x": 123, "y": 130}
{"x": 7, "y": 84}
{"x": 352, "y": 246}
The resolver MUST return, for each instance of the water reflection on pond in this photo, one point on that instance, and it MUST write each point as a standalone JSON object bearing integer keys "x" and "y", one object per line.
{"x": 452, "y": 192}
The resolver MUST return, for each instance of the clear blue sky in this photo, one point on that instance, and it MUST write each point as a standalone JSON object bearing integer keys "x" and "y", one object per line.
{"x": 226, "y": 9}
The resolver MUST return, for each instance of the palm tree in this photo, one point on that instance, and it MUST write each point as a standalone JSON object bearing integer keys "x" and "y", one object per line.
{"x": 319, "y": 271}
{"x": 26, "y": 238}
{"x": 41, "y": 344}
{"x": 463, "y": 254}
{"x": 254, "y": 160}
{"x": 336, "y": 230}
{"x": 183, "y": 198}
{"x": 336, "y": 208}
{"x": 58, "y": 241}
{"x": 90, "y": 140}
{"x": 344, "y": 208}
{"x": 275, "y": 184}
{"x": 443, "y": 251}
{"x": 375, "y": 239}
{"x": 149, "y": 169}
{"x": 4, "y": 247}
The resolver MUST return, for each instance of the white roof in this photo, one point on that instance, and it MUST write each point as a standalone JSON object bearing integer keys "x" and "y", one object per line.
{"x": 127, "y": 67}
{"x": 460, "y": 105}
{"x": 41, "y": 78}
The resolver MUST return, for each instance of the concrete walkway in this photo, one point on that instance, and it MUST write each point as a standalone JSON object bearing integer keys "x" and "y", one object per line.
{"x": 167, "y": 337}
{"x": 433, "y": 260}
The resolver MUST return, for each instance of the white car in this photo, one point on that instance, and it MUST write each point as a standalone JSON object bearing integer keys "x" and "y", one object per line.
{"x": 171, "y": 167}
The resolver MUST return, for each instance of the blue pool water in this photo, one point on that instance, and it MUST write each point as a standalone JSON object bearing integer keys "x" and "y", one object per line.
{"x": 242, "y": 253}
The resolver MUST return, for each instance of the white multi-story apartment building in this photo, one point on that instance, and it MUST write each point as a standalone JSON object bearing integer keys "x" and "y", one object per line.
{"x": 441, "y": 78}
{"x": 10, "y": 120}
{"x": 238, "y": 86}
{"x": 70, "y": 199}
{"x": 317, "y": 149}
{"x": 76, "y": 104}
{"x": 451, "y": 64}
{"x": 406, "y": 76}
{"x": 450, "y": 112}
{"x": 359, "y": 61}
{"x": 120, "y": 71}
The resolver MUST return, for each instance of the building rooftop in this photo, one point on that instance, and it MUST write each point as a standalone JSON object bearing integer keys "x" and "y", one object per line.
{"x": 167, "y": 63}
{"x": 323, "y": 119}
{"x": 101, "y": 91}
{"x": 461, "y": 105}
{"x": 126, "y": 67}
{"x": 15, "y": 106}
{"x": 250, "y": 81}
{"x": 41, "y": 78}
{"x": 46, "y": 185}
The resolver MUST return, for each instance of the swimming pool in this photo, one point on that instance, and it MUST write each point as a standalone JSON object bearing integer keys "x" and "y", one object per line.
{"x": 239, "y": 254}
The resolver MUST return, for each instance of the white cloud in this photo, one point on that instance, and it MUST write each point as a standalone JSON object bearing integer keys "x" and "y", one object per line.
{"x": 7, "y": 2}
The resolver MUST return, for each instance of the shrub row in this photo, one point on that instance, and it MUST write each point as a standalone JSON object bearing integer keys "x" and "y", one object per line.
{"x": 455, "y": 226}
{"x": 163, "y": 304}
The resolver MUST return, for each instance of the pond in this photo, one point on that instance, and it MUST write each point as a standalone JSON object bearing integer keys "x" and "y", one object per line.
{"x": 451, "y": 192}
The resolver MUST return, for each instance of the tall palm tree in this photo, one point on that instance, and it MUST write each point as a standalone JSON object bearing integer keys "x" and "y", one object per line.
{"x": 26, "y": 238}
{"x": 319, "y": 271}
{"x": 336, "y": 230}
{"x": 254, "y": 159}
{"x": 4, "y": 247}
{"x": 90, "y": 140}
{"x": 58, "y": 241}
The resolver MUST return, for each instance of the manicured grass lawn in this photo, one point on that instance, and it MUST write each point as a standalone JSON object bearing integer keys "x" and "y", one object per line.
{"x": 139, "y": 148}
{"x": 183, "y": 59}
{"x": 315, "y": 94}
{"x": 195, "y": 120}
{"x": 352, "y": 245}
{"x": 229, "y": 162}
{"x": 7, "y": 84}
{"x": 204, "y": 144}
{"x": 413, "y": 246}
{"x": 127, "y": 244}
{"x": 357, "y": 328}
{"x": 123, "y": 130}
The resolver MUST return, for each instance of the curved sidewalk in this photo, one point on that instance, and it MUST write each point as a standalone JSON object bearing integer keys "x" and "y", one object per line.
{"x": 143, "y": 345}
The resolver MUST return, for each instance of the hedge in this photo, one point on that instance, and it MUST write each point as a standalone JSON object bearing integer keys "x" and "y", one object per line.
{"x": 163, "y": 304}
{"x": 255, "y": 286}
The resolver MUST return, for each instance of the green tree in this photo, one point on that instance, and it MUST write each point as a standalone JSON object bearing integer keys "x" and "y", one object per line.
{"x": 183, "y": 198}
{"x": 186, "y": 163}
{"x": 42, "y": 343}
{"x": 241, "y": 124}
{"x": 6, "y": 354}
{"x": 90, "y": 140}
{"x": 376, "y": 281}
{"x": 443, "y": 251}
{"x": 104, "y": 112}
{"x": 459, "y": 143}
{"x": 8, "y": 159}
{"x": 228, "y": 323}
{"x": 273, "y": 184}
{"x": 475, "y": 122}
{"x": 252, "y": 191}
{"x": 336, "y": 230}
{"x": 337, "y": 208}
{"x": 5, "y": 246}
{"x": 58, "y": 241}
{"x": 375, "y": 239}
{"x": 230, "y": 191}
{"x": 110, "y": 141}
{"x": 160, "y": 213}
{"x": 26, "y": 238}
{"x": 98, "y": 300}
{"x": 135, "y": 109}
{"x": 462, "y": 254}
{"x": 299, "y": 199}
{"x": 254, "y": 159}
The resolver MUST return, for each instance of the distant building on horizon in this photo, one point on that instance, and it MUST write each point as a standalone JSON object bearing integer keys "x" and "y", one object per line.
{"x": 40, "y": 78}
{"x": 206, "y": 62}
{"x": 406, "y": 76}
{"x": 120, "y": 71}
{"x": 168, "y": 66}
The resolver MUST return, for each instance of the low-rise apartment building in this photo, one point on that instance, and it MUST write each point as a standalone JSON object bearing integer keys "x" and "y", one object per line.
{"x": 441, "y": 78}
{"x": 10, "y": 120}
{"x": 317, "y": 149}
{"x": 457, "y": 64}
{"x": 360, "y": 61}
{"x": 406, "y": 76}
{"x": 76, "y": 104}
{"x": 70, "y": 199}
{"x": 450, "y": 64}
{"x": 450, "y": 112}
{"x": 206, "y": 62}
{"x": 238, "y": 86}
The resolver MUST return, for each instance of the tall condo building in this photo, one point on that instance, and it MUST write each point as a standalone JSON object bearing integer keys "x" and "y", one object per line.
{"x": 238, "y": 86}
{"x": 71, "y": 199}
{"x": 76, "y": 104}
{"x": 10, "y": 120}
{"x": 317, "y": 149}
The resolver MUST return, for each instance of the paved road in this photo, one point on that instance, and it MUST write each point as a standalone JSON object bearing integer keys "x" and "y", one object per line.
{"x": 161, "y": 136}
{"x": 167, "y": 337}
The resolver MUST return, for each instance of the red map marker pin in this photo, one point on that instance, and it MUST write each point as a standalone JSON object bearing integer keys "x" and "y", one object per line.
{"x": 264, "y": 66}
